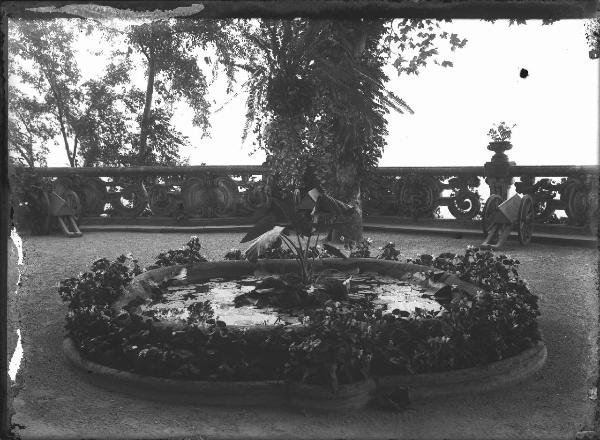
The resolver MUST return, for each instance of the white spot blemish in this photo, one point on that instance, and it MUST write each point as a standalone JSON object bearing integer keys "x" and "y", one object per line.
{"x": 16, "y": 238}
{"x": 15, "y": 360}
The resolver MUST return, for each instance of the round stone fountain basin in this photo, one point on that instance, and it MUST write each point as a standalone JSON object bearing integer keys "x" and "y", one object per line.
{"x": 273, "y": 393}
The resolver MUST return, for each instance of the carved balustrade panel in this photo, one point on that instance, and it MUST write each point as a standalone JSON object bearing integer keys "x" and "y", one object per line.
{"x": 257, "y": 194}
{"x": 190, "y": 192}
{"x": 419, "y": 193}
{"x": 127, "y": 197}
{"x": 208, "y": 195}
{"x": 199, "y": 198}
{"x": 574, "y": 194}
{"x": 227, "y": 195}
{"x": 164, "y": 199}
{"x": 543, "y": 192}
{"x": 379, "y": 195}
{"x": 93, "y": 195}
{"x": 464, "y": 201}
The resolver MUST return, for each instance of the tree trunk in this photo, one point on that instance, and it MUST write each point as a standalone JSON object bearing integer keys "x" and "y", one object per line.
{"x": 347, "y": 173}
{"x": 75, "y": 142}
{"x": 30, "y": 158}
{"x": 145, "y": 123}
{"x": 348, "y": 190}
{"x": 61, "y": 120}
{"x": 66, "y": 142}
{"x": 26, "y": 153}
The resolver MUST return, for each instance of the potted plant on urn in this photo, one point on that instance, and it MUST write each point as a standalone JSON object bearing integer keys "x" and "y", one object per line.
{"x": 500, "y": 141}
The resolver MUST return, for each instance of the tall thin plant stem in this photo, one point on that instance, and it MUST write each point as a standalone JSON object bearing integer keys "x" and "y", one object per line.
{"x": 302, "y": 260}
{"x": 299, "y": 256}
{"x": 308, "y": 265}
{"x": 289, "y": 244}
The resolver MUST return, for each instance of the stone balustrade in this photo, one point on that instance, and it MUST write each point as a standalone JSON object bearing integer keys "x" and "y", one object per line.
{"x": 187, "y": 194}
{"x": 180, "y": 193}
{"x": 417, "y": 192}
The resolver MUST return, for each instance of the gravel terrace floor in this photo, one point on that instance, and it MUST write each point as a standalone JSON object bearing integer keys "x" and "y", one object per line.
{"x": 52, "y": 400}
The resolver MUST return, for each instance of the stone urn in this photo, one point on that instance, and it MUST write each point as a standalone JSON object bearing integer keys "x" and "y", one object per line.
{"x": 499, "y": 147}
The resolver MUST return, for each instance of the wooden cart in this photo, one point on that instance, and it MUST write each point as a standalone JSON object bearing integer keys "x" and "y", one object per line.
{"x": 66, "y": 209}
{"x": 499, "y": 218}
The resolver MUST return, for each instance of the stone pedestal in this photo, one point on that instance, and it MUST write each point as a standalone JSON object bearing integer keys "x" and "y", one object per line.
{"x": 497, "y": 170}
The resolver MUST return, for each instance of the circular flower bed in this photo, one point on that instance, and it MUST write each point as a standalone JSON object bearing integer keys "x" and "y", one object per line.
{"x": 489, "y": 315}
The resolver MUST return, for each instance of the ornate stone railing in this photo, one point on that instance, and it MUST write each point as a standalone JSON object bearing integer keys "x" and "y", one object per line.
{"x": 180, "y": 193}
{"x": 193, "y": 193}
{"x": 417, "y": 192}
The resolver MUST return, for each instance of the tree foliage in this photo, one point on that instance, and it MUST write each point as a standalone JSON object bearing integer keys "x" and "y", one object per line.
{"x": 317, "y": 89}
{"x": 108, "y": 120}
{"x": 170, "y": 48}
{"x": 318, "y": 98}
{"x": 112, "y": 123}
{"x": 89, "y": 117}
{"x": 29, "y": 129}
{"x": 593, "y": 36}
{"x": 106, "y": 126}
{"x": 43, "y": 58}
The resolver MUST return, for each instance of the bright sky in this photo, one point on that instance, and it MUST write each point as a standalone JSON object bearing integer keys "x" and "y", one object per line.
{"x": 555, "y": 107}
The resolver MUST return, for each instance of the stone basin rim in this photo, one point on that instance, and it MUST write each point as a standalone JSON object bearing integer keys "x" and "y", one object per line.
{"x": 421, "y": 386}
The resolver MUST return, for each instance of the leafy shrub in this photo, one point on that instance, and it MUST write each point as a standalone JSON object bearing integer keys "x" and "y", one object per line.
{"x": 501, "y": 132}
{"x": 409, "y": 345}
{"x": 389, "y": 252}
{"x": 499, "y": 322}
{"x": 103, "y": 285}
{"x": 497, "y": 273}
{"x": 274, "y": 251}
{"x": 334, "y": 350}
{"x": 359, "y": 249}
{"x": 186, "y": 255}
{"x": 90, "y": 319}
{"x": 318, "y": 251}
{"x": 277, "y": 251}
{"x": 491, "y": 327}
{"x": 30, "y": 209}
{"x": 234, "y": 254}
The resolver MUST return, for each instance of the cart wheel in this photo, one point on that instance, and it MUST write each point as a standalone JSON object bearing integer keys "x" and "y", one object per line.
{"x": 73, "y": 202}
{"x": 526, "y": 216}
{"x": 489, "y": 209}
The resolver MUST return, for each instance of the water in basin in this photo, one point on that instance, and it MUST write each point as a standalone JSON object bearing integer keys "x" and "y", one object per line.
{"x": 387, "y": 293}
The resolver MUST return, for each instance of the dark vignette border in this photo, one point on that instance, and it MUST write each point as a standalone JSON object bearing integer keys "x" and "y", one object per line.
{"x": 347, "y": 9}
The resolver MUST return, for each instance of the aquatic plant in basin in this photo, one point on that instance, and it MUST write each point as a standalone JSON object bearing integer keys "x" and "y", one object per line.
{"x": 300, "y": 229}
